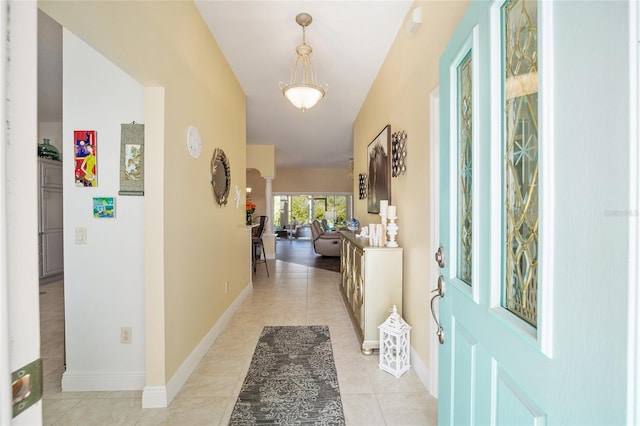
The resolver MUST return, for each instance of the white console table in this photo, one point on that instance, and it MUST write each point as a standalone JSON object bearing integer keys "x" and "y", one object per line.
{"x": 371, "y": 283}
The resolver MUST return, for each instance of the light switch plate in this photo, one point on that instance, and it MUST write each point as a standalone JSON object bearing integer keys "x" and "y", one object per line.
{"x": 81, "y": 235}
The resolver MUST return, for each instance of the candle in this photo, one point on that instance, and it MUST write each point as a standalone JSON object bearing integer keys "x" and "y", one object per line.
{"x": 383, "y": 207}
{"x": 391, "y": 211}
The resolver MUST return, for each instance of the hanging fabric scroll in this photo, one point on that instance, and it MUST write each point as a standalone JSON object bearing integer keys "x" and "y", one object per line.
{"x": 131, "y": 159}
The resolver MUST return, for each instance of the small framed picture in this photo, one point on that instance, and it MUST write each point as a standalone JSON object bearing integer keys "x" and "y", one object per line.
{"x": 85, "y": 156}
{"x": 104, "y": 208}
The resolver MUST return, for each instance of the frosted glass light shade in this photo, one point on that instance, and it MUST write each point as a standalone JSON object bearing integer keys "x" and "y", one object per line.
{"x": 303, "y": 96}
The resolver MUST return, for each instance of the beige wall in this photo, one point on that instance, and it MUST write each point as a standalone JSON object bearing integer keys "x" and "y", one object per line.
{"x": 261, "y": 164}
{"x": 193, "y": 246}
{"x": 263, "y": 159}
{"x": 400, "y": 97}
{"x": 313, "y": 181}
{"x": 299, "y": 181}
{"x": 258, "y": 185}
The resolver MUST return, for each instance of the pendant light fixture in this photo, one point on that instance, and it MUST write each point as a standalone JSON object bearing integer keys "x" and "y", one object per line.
{"x": 303, "y": 91}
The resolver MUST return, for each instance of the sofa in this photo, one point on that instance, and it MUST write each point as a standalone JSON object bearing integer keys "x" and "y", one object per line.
{"x": 325, "y": 243}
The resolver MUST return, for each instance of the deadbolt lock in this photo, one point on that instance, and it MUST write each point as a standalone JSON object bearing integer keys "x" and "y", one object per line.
{"x": 440, "y": 257}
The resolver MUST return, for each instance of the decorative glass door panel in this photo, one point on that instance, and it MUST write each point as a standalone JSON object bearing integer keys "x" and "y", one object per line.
{"x": 465, "y": 169}
{"x": 520, "y": 82}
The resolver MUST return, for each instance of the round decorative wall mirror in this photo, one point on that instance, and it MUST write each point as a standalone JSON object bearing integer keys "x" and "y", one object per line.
{"x": 220, "y": 176}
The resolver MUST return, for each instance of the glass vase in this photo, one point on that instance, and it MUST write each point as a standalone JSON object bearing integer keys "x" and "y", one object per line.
{"x": 46, "y": 150}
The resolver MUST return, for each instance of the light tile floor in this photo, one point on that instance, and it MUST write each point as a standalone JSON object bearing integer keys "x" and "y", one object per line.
{"x": 293, "y": 295}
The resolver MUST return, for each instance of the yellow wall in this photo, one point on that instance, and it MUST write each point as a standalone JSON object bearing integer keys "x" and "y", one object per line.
{"x": 313, "y": 181}
{"x": 261, "y": 164}
{"x": 308, "y": 181}
{"x": 258, "y": 186}
{"x": 400, "y": 97}
{"x": 263, "y": 159}
{"x": 193, "y": 246}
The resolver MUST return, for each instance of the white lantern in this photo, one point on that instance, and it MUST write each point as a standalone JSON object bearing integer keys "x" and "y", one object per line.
{"x": 395, "y": 344}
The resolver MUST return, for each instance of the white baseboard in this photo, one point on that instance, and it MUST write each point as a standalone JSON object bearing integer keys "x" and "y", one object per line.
{"x": 421, "y": 370}
{"x": 161, "y": 396}
{"x": 83, "y": 381}
{"x": 154, "y": 397}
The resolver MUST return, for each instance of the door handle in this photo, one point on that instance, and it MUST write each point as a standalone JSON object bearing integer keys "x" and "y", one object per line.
{"x": 439, "y": 293}
{"x": 440, "y": 257}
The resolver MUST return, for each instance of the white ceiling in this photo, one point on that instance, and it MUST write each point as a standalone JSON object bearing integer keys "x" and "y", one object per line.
{"x": 350, "y": 40}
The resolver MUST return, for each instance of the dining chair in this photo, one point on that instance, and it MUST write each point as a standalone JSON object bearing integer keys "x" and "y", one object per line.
{"x": 258, "y": 246}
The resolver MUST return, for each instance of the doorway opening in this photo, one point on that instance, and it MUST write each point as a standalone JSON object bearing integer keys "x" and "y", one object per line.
{"x": 294, "y": 213}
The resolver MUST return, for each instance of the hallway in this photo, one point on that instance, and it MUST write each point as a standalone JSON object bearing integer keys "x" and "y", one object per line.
{"x": 294, "y": 295}
{"x": 301, "y": 252}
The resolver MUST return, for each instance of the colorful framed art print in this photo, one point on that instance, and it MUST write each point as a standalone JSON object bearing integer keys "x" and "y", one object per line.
{"x": 85, "y": 156}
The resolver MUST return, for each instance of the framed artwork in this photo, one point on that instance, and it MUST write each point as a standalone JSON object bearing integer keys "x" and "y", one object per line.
{"x": 131, "y": 159}
{"x": 379, "y": 170}
{"x": 104, "y": 208}
{"x": 85, "y": 156}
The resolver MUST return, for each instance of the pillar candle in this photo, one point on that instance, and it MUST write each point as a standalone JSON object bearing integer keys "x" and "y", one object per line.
{"x": 391, "y": 211}
{"x": 383, "y": 207}
{"x": 372, "y": 234}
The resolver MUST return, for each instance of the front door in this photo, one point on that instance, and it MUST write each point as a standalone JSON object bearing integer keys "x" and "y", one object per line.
{"x": 535, "y": 215}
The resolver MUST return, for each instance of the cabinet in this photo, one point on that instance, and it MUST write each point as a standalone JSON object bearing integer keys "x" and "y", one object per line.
{"x": 371, "y": 283}
{"x": 50, "y": 219}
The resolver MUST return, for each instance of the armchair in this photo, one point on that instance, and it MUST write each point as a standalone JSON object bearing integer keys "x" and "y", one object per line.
{"x": 325, "y": 243}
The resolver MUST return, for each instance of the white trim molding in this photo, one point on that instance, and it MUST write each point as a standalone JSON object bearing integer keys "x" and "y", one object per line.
{"x": 6, "y": 405}
{"x": 81, "y": 381}
{"x": 161, "y": 396}
{"x": 434, "y": 177}
{"x": 422, "y": 372}
{"x": 633, "y": 336}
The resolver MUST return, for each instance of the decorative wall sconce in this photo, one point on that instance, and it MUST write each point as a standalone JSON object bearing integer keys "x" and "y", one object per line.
{"x": 398, "y": 153}
{"x": 362, "y": 180}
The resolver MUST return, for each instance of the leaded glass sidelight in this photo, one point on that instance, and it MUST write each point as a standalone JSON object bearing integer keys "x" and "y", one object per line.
{"x": 465, "y": 163}
{"x": 520, "y": 59}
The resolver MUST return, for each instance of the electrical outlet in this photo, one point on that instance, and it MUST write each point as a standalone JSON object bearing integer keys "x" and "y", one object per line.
{"x": 226, "y": 286}
{"x": 125, "y": 335}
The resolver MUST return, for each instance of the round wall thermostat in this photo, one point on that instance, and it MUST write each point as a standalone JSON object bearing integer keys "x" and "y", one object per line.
{"x": 194, "y": 143}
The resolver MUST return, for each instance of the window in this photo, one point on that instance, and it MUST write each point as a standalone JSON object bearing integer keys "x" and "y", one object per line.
{"x": 304, "y": 208}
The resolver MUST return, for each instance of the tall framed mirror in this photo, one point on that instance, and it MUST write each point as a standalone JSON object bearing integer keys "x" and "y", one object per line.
{"x": 220, "y": 176}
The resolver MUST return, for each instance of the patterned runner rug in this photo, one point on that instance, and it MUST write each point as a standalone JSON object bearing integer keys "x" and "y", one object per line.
{"x": 291, "y": 380}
